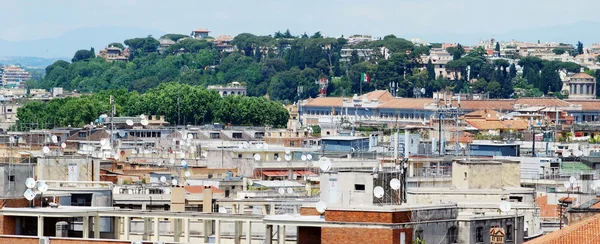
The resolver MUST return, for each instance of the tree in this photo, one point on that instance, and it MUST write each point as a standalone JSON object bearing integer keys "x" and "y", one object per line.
{"x": 456, "y": 52}
{"x": 354, "y": 57}
{"x": 83, "y": 55}
{"x": 317, "y": 35}
{"x": 495, "y": 89}
{"x": 559, "y": 51}
{"x": 174, "y": 37}
{"x": 430, "y": 70}
{"x": 579, "y": 48}
{"x": 116, "y": 44}
{"x": 497, "y": 49}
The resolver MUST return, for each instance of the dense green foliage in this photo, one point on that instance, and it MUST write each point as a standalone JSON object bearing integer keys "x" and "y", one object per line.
{"x": 180, "y": 103}
{"x": 278, "y": 65}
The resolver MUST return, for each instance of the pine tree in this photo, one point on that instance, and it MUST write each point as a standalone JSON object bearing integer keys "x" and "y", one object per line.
{"x": 430, "y": 70}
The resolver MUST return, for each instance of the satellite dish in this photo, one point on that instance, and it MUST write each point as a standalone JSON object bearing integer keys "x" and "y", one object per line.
{"x": 163, "y": 179}
{"x": 122, "y": 133}
{"x": 187, "y": 174}
{"x": 159, "y": 163}
{"x": 586, "y": 152}
{"x": 505, "y": 206}
{"x": 250, "y": 182}
{"x": 42, "y": 186}
{"x": 422, "y": 90}
{"x": 567, "y": 185}
{"x": 566, "y": 154}
{"x": 325, "y": 164}
{"x": 303, "y": 157}
{"x": 240, "y": 146}
{"x": 63, "y": 145}
{"x": 290, "y": 191}
{"x": 222, "y": 210}
{"x": 144, "y": 122}
{"x": 129, "y": 122}
{"x": 182, "y": 155}
{"x": 183, "y": 163}
{"x": 142, "y": 117}
{"x": 378, "y": 192}
{"x": 288, "y": 157}
{"x": 46, "y": 149}
{"x": 577, "y": 153}
{"x": 309, "y": 156}
{"x": 278, "y": 159}
{"x": 281, "y": 191}
{"x": 287, "y": 151}
{"x": 174, "y": 182}
{"x": 321, "y": 207}
{"x": 257, "y": 157}
{"x": 572, "y": 179}
{"x": 190, "y": 136}
{"x": 266, "y": 146}
{"x": 116, "y": 155}
{"x": 29, "y": 194}
{"x": 30, "y": 183}
{"x": 12, "y": 139}
{"x": 395, "y": 184}
{"x": 172, "y": 160}
{"x": 54, "y": 139}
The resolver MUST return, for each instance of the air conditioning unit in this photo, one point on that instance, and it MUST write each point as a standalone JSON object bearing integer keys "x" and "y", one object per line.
{"x": 44, "y": 240}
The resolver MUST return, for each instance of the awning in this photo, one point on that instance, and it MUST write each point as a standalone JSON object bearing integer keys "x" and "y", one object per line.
{"x": 275, "y": 173}
{"x": 305, "y": 173}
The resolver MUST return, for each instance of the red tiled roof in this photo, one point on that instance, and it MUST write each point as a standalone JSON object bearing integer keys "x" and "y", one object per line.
{"x": 381, "y": 95}
{"x": 275, "y": 173}
{"x": 547, "y": 210}
{"x": 587, "y": 105}
{"x": 585, "y": 231}
{"x": 305, "y": 172}
{"x": 200, "y": 189}
{"x": 582, "y": 76}
{"x": 567, "y": 199}
{"x": 412, "y": 103}
{"x": 325, "y": 102}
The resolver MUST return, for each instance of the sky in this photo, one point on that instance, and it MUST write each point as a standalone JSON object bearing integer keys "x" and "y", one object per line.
{"x": 42, "y": 19}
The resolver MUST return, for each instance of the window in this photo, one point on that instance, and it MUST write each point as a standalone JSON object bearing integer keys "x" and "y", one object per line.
{"x": 419, "y": 234}
{"x": 509, "y": 230}
{"x": 452, "y": 235}
{"x": 11, "y": 178}
{"x": 515, "y": 199}
{"x": 479, "y": 234}
{"x": 239, "y": 155}
{"x": 9, "y": 110}
{"x": 328, "y": 133}
{"x": 359, "y": 187}
{"x": 215, "y": 136}
{"x": 275, "y": 156}
{"x": 237, "y": 135}
{"x": 291, "y": 143}
{"x": 81, "y": 134}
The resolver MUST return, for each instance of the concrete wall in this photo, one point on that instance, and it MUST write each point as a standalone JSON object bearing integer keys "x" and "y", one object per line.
{"x": 14, "y": 186}
{"x": 57, "y": 168}
{"x": 467, "y": 230}
{"x": 485, "y": 174}
{"x": 339, "y": 188}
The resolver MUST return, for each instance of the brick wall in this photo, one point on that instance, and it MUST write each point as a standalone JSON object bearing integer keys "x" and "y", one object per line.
{"x": 357, "y": 236}
{"x": 309, "y": 211}
{"x": 366, "y": 216}
{"x": 309, "y": 235}
{"x": 7, "y": 223}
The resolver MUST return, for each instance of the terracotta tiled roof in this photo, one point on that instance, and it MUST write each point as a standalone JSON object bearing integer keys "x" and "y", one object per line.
{"x": 200, "y": 189}
{"x": 546, "y": 102}
{"x": 547, "y": 210}
{"x": 587, "y": 105}
{"x": 381, "y": 95}
{"x": 325, "y": 102}
{"x": 582, "y": 76}
{"x": 500, "y": 105}
{"x": 412, "y": 103}
{"x": 585, "y": 231}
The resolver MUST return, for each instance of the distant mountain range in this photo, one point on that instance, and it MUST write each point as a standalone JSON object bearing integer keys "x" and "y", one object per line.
{"x": 65, "y": 45}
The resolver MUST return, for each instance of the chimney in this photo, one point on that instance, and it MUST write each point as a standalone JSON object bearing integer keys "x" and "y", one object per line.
{"x": 581, "y": 70}
{"x": 162, "y": 118}
{"x": 207, "y": 196}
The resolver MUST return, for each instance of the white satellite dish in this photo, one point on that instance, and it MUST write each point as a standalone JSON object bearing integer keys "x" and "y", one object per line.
{"x": 190, "y": 136}
{"x": 163, "y": 179}
{"x": 42, "y": 186}
{"x": 586, "y": 152}
{"x": 187, "y": 174}
{"x": 321, "y": 207}
{"x": 29, "y": 194}
{"x": 505, "y": 206}
{"x": 566, "y": 154}
{"x": 12, "y": 139}
{"x": 122, "y": 133}
{"x": 290, "y": 191}
{"x": 309, "y": 157}
{"x": 174, "y": 182}
{"x": 183, "y": 163}
{"x": 395, "y": 184}
{"x": 129, "y": 122}
{"x": 303, "y": 157}
{"x": 287, "y": 151}
{"x": 378, "y": 192}
{"x": 222, "y": 210}
{"x": 46, "y": 149}
{"x": 144, "y": 122}
{"x": 63, "y": 145}
{"x": 281, "y": 191}
{"x": 30, "y": 183}
{"x": 422, "y": 90}
{"x": 567, "y": 185}
{"x": 577, "y": 153}
{"x": 278, "y": 159}
{"x": 288, "y": 157}
{"x": 250, "y": 182}
{"x": 159, "y": 163}
{"x": 142, "y": 117}
{"x": 325, "y": 164}
{"x": 257, "y": 157}
{"x": 172, "y": 160}
{"x": 182, "y": 155}
{"x": 54, "y": 139}
{"x": 572, "y": 179}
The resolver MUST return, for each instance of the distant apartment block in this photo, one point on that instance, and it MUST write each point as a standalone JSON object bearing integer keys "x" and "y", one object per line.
{"x": 356, "y": 39}
{"x": 223, "y": 43}
{"x": 200, "y": 34}
{"x": 114, "y": 54}
{"x": 233, "y": 88}
{"x": 14, "y": 76}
